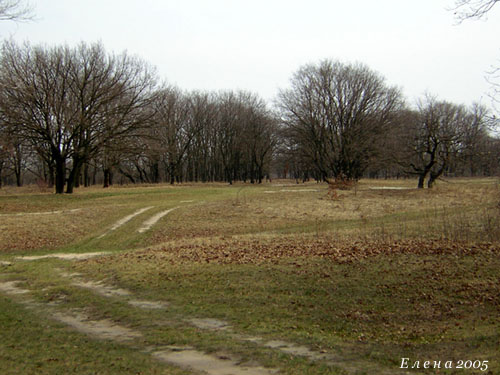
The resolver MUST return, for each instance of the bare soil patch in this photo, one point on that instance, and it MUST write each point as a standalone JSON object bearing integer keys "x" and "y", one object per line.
{"x": 42, "y": 213}
{"x": 212, "y": 365}
{"x": 291, "y": 191}
{"x": 153, "y": 220}
{"x": 70, "y": 256}
{"x": 11, "y": 288}
{"x": 103, "y": 329}
{"x": 102, "y": 289}
{"x": 125, "y": 220}
{"x": 209, "y": 324}
{"x": 147, "y": 305}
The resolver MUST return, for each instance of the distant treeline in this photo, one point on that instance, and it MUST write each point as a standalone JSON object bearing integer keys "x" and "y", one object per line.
{"x": 81, "y": 116}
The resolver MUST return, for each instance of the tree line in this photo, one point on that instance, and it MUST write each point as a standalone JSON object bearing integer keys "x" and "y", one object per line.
{"x": 82, "y": 116}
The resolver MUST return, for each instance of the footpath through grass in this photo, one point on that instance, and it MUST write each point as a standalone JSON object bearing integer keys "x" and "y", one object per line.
{"x": 364, "y": 281}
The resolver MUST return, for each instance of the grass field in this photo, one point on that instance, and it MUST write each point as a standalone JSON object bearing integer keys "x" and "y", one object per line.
{"x": 276, "y": 278}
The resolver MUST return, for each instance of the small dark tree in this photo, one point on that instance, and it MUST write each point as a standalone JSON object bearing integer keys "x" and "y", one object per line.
{"x": 434, "y": 137}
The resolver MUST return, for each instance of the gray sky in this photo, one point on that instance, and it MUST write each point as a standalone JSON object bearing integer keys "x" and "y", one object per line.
{"x": 257, "y": 45}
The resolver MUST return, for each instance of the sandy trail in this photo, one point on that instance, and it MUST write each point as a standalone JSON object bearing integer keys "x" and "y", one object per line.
{"x": 10, "y": 287}
{"x": 186, "y": 357}
{"x": 105, "y": 329}
{"x": 154, "y": 219}
{"x": 42, "y": 213}
{"x": 125, "y": 220}
{"x": 209, "y": 364}
{"x": 290, "y": 191}
{"x": 104, "y": 290}
{"x": 70, "y": 256}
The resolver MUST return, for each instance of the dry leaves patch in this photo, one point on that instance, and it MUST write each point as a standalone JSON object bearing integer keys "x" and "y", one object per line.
{"x": 255, "y": 251}
{"x": 30, "y": 232}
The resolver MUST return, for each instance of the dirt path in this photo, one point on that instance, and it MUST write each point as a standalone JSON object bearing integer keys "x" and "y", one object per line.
{"x": 70, "y": 256}
{"x": 189, "y": 358}
{"x": 124, "y": 220}
{"x": 99, "y": 287}
{"x": 184, "y": 357}
{"x": 42, "y": 213}
{"x": 105, "y": 329}
{"x": 154, "y": 219}
{"x": 290, "y": 191}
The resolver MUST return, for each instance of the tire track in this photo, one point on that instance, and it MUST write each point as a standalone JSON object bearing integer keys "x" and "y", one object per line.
{"x": 105, "y": 329}
{"x": 154, "y": 219}
{"x": 124, "y": 220}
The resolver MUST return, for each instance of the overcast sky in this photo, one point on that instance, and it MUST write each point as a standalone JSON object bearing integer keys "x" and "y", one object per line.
{"x": 257, "y": 45}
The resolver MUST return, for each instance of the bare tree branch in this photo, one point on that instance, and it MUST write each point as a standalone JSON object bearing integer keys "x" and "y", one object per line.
{"x": 472, "y": 9}
{"x": 15, "y": 10}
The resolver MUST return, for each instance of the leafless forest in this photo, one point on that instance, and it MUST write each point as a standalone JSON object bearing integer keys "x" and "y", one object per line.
{"x": 73, "y": 116}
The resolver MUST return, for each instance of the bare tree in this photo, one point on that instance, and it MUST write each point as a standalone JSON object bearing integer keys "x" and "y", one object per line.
{"x": 337, "y": 113}
{"x": 474, "y": 150}
{"x": 173, "y": 130}
{"x": 434, "y": 136}
{"x": 71, "y": 103}
{"x": 15, "y": 10}
{"x": 477, "y": 9}
{"x": 3, "y": 149}
{"x": 472, "y": 9}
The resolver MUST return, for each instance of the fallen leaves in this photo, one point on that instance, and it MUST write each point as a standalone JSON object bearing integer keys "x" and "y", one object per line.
{"x": 256, "y": 251}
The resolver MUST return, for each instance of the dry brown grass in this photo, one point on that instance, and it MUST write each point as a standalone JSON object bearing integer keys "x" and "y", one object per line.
{"x": 48, "y": 230}
{"x": 461, "y": 210}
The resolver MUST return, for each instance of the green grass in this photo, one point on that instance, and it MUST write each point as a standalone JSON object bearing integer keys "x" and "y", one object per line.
{"x": 425, "y": 306}
{"x": 370, "y": 278}
{"x": 34, "y": 344}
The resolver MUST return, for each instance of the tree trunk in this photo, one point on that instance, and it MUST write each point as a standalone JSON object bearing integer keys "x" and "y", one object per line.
{"x": 421, "y": 180}
{"x": 431, "y": 181}
{"x": 172, "y": 170}
{"x": 74, "y": 175}
{"x": 108, "y": 177}
{"x": 60, "y": 175}
{"x": 19, "y": 177}
{"x": 86, "y": 177}
{"x": 434, "y": 176}
{"x": 51, "y": 175}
